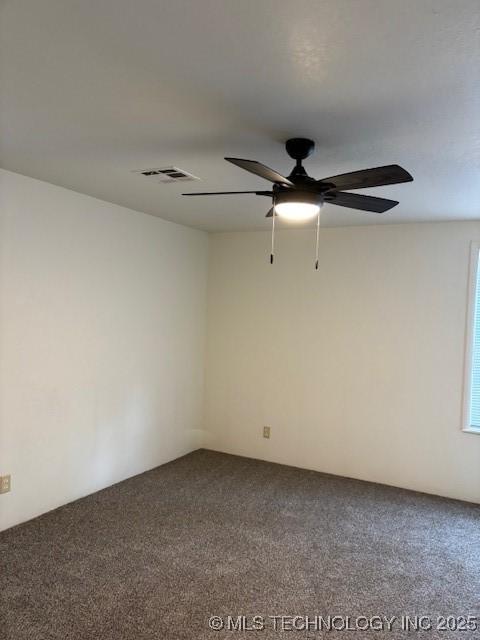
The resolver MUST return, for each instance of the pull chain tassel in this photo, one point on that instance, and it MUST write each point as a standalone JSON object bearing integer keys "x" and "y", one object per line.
{"x": 272, "y": 250}
{"x": 317, "y": 241}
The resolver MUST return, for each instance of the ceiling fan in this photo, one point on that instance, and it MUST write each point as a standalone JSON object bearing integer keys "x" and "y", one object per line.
{"x": 300, "y": 197}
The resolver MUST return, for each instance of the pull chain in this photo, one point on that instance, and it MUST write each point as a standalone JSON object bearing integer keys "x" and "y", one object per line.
{"x": 317, "y": 239}
{"x": 272, "y": 250}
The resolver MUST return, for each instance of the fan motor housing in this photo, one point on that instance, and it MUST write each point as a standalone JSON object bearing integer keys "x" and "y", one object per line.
{"x": 296, "y": 195}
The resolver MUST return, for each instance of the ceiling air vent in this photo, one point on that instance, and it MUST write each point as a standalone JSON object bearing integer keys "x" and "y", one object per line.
{"x": 167, "y": 174}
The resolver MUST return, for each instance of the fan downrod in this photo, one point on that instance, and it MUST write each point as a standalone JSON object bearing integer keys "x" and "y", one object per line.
{"x": 299, "y": 148}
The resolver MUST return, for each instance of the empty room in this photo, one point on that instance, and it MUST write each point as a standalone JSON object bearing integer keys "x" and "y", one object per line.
{"x": 239, "y": 319}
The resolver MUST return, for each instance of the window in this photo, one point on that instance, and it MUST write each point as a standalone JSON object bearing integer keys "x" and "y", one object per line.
{"x": 471, "y": 408}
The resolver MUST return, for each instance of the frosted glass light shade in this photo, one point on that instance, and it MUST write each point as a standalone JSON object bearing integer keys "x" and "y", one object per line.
{"x": 297, "y": 210}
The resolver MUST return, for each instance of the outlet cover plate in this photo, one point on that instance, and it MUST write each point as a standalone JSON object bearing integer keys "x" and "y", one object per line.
{"x": 266, "y": 432}
{"x": 5, "y": 484}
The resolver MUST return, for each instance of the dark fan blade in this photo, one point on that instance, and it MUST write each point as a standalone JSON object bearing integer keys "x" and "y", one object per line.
{"x": 377, "y": 177}
{"x": 261, "y": 170}
{"x": 357, "y": 201}
{"x": 225, "y": 193}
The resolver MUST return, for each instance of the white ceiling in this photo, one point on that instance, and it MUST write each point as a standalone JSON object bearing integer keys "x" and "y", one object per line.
{"x": 91, "y": 89}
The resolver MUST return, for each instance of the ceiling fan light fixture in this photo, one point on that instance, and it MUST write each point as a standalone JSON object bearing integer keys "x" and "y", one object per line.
{"x": 297, "y": 206}
{"x": 297, "y": 211}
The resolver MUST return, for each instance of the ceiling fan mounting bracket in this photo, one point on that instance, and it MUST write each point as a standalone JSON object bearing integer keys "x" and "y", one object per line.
{"x": 299, "y": 148}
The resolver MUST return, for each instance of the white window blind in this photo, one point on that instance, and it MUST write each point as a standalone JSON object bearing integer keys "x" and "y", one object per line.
{"x": 475, "y": 374}
{"x": 471, "y": 400}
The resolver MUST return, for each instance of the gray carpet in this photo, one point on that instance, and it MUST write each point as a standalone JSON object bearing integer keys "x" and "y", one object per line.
{"x": 212, "y": 534}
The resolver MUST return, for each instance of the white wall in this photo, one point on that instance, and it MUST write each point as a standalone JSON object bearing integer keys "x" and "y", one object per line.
{"x": 357, "y": 367}
{"x": 102, "y": 319}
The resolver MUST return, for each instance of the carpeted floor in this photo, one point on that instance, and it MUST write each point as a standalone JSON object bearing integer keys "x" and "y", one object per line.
{"x": 212, "y": 534}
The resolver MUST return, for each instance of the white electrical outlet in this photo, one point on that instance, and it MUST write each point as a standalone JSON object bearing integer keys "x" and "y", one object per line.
{"x": 5, "y": 484}
{"x": 266, "y": 432}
